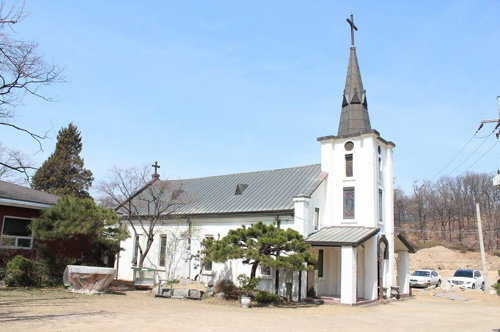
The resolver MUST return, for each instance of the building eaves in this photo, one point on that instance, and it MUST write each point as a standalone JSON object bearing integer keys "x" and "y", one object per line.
{"x": 336, "y": 236}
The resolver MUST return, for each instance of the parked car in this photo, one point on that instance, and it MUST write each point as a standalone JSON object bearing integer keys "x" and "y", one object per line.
{"x": 467, "y": 278}
{"x": 425, "y": 278}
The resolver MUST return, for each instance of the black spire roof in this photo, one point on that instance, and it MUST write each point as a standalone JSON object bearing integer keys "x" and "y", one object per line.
{"x": 354, "y": 118}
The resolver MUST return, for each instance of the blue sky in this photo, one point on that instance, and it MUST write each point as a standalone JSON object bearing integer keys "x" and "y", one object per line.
{"x": 216, "y": 87}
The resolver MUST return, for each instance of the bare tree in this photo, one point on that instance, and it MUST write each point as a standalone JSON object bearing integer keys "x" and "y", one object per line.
{"x": 420, "y": 203}
{"x": 16, "y": 160}
{"x": 22, "y": 72}
{"x": 144, "y": 203}
{"x": 444, "y": 211}
{"x": 178, "y": 248}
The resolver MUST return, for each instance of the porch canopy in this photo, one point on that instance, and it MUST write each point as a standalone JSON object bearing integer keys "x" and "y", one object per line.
{"x": 401, "y": 243}
{"x": 337, "y": 236}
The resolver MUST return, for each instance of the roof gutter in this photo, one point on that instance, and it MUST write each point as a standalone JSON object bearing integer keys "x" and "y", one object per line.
{"x": 217, "y": 214}
{"x": 25, "y": 204}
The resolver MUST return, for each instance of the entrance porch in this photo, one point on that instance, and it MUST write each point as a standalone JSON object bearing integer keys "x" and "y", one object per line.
{"x": 354, "y": 265}
{"x": 346, "y": 271}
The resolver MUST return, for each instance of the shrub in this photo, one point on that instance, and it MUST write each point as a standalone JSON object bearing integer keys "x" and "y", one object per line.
{"x": 228, "y": 288}
{"x": 23, "y": 272}
{"x": 265, "y": 298}
{"x": 497, "y": 285}
{"x": 3, "y": 271}
{"x": 247, "y": 284}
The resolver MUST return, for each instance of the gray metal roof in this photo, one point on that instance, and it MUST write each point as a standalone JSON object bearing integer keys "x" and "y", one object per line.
{"x": 20, "y": 193}
{"x": 266, "y": 191}
{"x": 341, "y": 235}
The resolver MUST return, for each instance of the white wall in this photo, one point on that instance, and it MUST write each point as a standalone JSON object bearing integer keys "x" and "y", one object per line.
{"x": 186, "y": 268}
{"x": 365, "y": 180}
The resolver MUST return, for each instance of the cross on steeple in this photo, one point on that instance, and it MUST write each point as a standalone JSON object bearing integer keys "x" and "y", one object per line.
{"x": 156, "y": 166}
{"x": 353, "y": 27}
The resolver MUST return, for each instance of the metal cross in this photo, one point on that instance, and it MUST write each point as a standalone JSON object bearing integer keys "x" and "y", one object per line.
{"x": 353, "y": 27}
{"x": 156, "y": 166}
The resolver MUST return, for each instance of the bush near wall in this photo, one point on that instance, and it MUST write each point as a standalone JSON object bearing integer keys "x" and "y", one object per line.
{"x": 228, "y": 288}
{"x": 497, "y": 285}
{"x": 24, "y": 272}
{"x": 265, "y": 297}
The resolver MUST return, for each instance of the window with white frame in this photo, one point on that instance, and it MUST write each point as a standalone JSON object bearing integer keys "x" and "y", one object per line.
{"x": 208, "y": 265}
{"x": 16, "y": 233}
{"x": 316, "y": 219}
{"x": 348, "y": 165}
{"x": 319, "y": 263}
{"x": 163, "y": 250}
{"x": 380, "y": 166}
{"x": 135, "y": 257}
{"x": 265, "y": 270}
{"x": 380, "y": 205}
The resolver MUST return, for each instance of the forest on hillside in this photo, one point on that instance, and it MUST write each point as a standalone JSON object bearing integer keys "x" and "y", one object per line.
{"x": 443, "y": 212}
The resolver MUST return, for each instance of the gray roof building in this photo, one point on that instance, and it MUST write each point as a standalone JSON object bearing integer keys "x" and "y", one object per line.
{"x": 270, "y": 191}
{"x": 16, "y": 195}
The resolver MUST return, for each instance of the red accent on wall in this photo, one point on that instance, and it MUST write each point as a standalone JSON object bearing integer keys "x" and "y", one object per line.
{"x": 12, "y": 211}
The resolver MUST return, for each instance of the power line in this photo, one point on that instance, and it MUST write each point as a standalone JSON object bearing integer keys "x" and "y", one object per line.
{"x": 456, "y": 155}
{"x": 491, "y": 147}
{"x": 471, "y": 154}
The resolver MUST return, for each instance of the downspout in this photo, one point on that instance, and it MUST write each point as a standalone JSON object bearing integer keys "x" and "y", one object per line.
{"x": 300, "y": 285}
{"x": 189, "y": 247}
{"x": 117, "y": 260}
{"x": 277, "y": 274}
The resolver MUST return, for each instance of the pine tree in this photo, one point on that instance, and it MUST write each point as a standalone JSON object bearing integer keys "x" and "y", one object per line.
{"x": 63, "y": 173}
{"x": 264, "y": 245}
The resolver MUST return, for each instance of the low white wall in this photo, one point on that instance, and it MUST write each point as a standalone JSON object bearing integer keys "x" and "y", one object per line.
{"x": 180, "y": 264}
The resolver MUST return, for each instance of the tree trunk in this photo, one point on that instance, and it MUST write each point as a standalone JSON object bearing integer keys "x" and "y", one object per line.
{"x": 145, "y": 252}
{"x": 254, "y": 269}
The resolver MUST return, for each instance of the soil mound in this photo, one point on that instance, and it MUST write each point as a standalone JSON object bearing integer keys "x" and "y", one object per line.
{"x": 441, "y": 258}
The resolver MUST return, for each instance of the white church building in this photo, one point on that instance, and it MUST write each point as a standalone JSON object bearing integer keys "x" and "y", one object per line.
{"x": 344, "y": 208}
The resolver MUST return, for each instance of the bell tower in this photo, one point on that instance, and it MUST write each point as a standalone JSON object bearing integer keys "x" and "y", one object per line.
{"x": 359, "y": 189}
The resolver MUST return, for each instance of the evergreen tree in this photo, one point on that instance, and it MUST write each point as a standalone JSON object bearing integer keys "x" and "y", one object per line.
{"x": 63, "y": 173}
{"x": 261, "y": 244}
{"x": 96, "y": 229}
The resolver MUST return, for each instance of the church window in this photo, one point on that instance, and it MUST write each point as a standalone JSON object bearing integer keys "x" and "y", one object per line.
{"x": 316, "y": 219}
{"x": 379, "y": 163}
{"x": 349, "y": 203}
{"x": 208, "y": 265}
{"x": 348, "y": 165}
{"x": 163, "y": 250}
{"x": 380, "y": 205}
{"x": 265, "y": 270}
{"x": 349, "y": 146}
{"x": 135, "y": 257}
{"x": 319, "y": 264}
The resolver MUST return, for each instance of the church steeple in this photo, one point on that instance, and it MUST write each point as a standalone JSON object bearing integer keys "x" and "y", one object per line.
{"x": 354, "y": 118}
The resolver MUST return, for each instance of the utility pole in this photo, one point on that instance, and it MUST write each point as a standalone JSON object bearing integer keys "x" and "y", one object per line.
{"x": 481, "y": 247}
{"x": 497, "y": 121}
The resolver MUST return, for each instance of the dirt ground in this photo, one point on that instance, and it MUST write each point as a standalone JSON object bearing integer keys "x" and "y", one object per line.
{"x": 132, "y": 310}
{"x": 441, "y": 258}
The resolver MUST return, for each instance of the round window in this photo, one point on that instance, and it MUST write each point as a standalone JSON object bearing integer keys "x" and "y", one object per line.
{"x": 349, "y": 146}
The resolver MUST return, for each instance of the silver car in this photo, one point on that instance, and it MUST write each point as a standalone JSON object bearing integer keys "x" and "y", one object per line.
{"x": 425, "y": 278}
